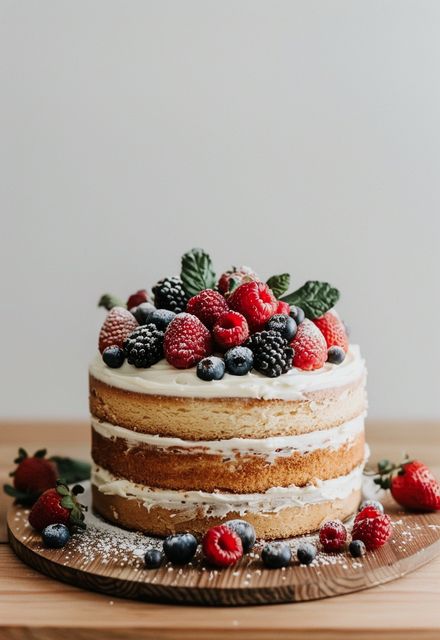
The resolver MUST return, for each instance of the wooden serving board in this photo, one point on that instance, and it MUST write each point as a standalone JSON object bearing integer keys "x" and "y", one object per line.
{"x": 110, "y": 560}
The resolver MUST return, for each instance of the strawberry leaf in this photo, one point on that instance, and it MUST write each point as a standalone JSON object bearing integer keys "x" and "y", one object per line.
{"x": 40, "y": 453}
{"x": 315, "y": 298}
{"x": 71, "y": 470}
{"x": 67, "y": 502}
{"x": 279, "y": 284}
{"x": 197, "y": 272}
{"x": 108, "y": 301}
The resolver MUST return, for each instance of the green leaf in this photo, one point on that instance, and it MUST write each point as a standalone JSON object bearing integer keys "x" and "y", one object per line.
{"x": 197, "y": 272}
{"x": 108, "y": 301}
{"x": 10, "y": 490}
{"x": 67, "y": 502}
{"x": 71, "y": 470}
{"x": 62, "y": 490}
{"x": 40, "y": 453}
{"x": 315, "y": 298}
{"x": 279, "y": 284}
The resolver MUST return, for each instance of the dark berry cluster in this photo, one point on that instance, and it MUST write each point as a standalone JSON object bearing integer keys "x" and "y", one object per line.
{"x": 144, "y": 347}
{"x": 170, "y": 294}
{"x": 272, "y": 354}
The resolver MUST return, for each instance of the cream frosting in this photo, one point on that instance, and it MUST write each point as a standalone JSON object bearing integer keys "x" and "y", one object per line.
{"x": 163, "y": 379}
{"x": 269, "y": 448}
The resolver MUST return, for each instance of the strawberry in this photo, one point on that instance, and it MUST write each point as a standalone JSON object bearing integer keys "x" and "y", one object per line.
{"x": 230, "y": 280}
{"x": 33, "y": 475}
{"x": 412, "y": 484}
{"x": 137, "y": 298}
{"x": 117, "y": 326}
{"x": 186, "y": 341}
{"x": 333, "y": 330}
{"x": 309, "y": 346}
{"x": 222, "y": 546}
{"x": 58, "y": 506}
{"x": 256, "y": 302}
{"x": 230, "y": 330}
{"x": 208, "y": 306}
{"x": 283, "y": 308}
{"x": 374, "y": 529}
{"x": 333, "y": 536}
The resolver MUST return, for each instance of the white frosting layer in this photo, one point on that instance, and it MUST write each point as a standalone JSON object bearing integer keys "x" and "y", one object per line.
{"x": 270, "y": 448}
{"x": 189, "y": 504}
{"x": 163, "y": 379}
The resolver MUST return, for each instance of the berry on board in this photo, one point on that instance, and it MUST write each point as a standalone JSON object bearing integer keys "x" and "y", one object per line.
{"x": 357, "y": 548}
{"x": 333, "y": 536}
{"x": 306, "y": 553}
{"x": 374, "y": 529}
{"x": 276, "y": 555}
{"x": 153, "y": 558}
{"x": 245, "y": 531}
{"x": 180, "y": 548}
{"x": 55, "y": 536}
{"x": 58, "y": 506}
{"x": 222, "y": 546}
{"x": 32, "y": 476}
{"x": 412, "y": 484}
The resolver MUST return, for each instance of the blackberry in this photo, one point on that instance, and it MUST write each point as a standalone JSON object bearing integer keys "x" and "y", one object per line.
{"x": 272, "y": 354}
{"x": 144, "y": 346}
{"x": 170, "y": 294}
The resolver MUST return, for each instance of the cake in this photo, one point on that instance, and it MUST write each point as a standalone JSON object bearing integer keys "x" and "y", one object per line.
{"x": 180, "y": 442}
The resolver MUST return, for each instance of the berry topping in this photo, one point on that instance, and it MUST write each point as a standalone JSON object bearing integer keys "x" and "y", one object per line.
{"x": 283, "y": 307}
{"x": 256, "y": 302}
{"x": 117, "y": 326}
{"x": 412, "y": 484}
{"x": 309, "y": 346}
{"x": 144, "y": 347}
{"x": 335, "y": 355}
{"x": 161, "y": 318}
{"x": 306, "y": 553}
{"x": 58, "y": 506}
{"x": 180, "y": 548}
{"x": 372, "y": 531}
{"x": 245, "y": 532}
{"x": 222, "y": 546}
{"x": 153, "y": 558}
{"x": 333, "y": 330}
{"x": 333, "y": 536}
{"x": 372, "y": 503}
{"x": 55, "y": 536}
{"x": 282, "y": 324}
{"x": 143, "y": 312}
{"x": 114, "y": 357}
{"x": 170, "y": 294}
{"x": 136, "y": 299}
{"x": 208, "y": 306}
{"x": 276, "y": 555}
{"x": 297, "y": 314}
{"x": 239, "y": 361}
{"x": 272, "y": 354}
{"x": 357, "y": 548}
{"x": 230, "y": 280}
{"x": 32, "y": 476}
{"x": 230, "y": 330}
{"x": 187, "y": 341}
{"x": 211, "y": 368}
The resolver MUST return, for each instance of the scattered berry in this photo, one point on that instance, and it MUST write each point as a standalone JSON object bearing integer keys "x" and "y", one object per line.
{"x": 114, "y": 357}
{"x": 357, "y": 548}
{"x": 222, "y": 546}
{"x": 136, "y": 299}
{"x": 161, "y": 318}
{"x": 230, "y": 330}
{"x": 333, "y": 536}
{"x": 369, "y": 511}
{"x": 306, "y": 553}
{"x": 333, "y": 330}
{"x": 282, "y": 324}
{"x": 372, "y": 503}
{"x": 187, "y": 341}
{"x": 58, "y": 506}
{"x": 117, "y": 326}
{"x": 211, "y": 368}
{"x": 55, "y": 536}
{"x": 153, "y": 558}
{"x": 276, "y": 555}
{"x": 412, "y": 484}
{"x": 32, "y": 476}
{"x": 230, "y": 280}
{"x": 297, "y": 314}
{"x": 208, "y": 306}
{"x": 239, "y": 361}
{"x": 272, "y": 354}
{"x": 283, "y": 308}
{"x": 143, "y": 312}
{"x": 245, "y": 532}
{"x": 372, "y": 531}
{"x": 180, "y": 548}
{"x": 335, "y": 355}
{"x": 256, "y": 302}
{"x": 309, "y": 346}
{"x": 144, "y": 347}
{"x": 170, "y": 294}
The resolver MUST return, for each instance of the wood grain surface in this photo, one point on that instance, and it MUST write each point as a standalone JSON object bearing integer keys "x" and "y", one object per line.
{"x": 33, "y": 606}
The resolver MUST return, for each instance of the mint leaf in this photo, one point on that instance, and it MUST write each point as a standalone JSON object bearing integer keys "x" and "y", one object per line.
{"x": 197, "y": 272}
{"x": 279, "y": 284}
{"x": 315, "y": 298}
{"x": 108, "y": 301}
{"x": 70, "y": 470}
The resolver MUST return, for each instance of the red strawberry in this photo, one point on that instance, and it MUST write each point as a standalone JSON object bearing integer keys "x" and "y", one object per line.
{"x": 283, "y": 307}
{"x": 32, "y": 476}
{"x": 230, "y": 330}
{"x": 137, "y": 298}
{"x": 222, "y": 546}
{"x": 333, "y": 536}
{"x": 333, "y": 330}
{"x": 58, "y": 506}
{"x": 117, "y": 326}
{"x": 372, "y": 531}
{"x": 233, "y": 278}
{"x": 186, "y": 341}
{"x": 256, "y": 302}
{"x": 309, "y": 346}
{"x": 208, "y": 306}
{"x": 412, "y": 484}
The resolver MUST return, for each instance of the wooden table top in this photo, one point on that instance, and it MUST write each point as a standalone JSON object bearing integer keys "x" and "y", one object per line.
{"x": 34, "y": 606}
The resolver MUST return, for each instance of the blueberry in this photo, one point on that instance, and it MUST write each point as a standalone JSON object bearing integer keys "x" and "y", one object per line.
{"x": 297, "y": 314}
{"x": 335, "y": 355}
{"x": 143, "y": 312}
{"x": 211, "y": 368}
{"x": 276, "y": 555}
{"x": 306, "y": 553}
{"x": 161, "y": 318}
{"x": 239, "y": 361}
{"x": 283, "y": 324}
{"x": 357, "y": 548}
{"x": 245, "y": 532}
{"x": 372, "y": 503}
{"x": 113, "y": 357}
{"x": 153, "y": 558}
{"x": 55, "y": 536}
{"x": 180, "y": 547}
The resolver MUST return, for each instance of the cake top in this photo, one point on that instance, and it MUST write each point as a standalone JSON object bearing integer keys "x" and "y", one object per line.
{"x": 236, "y": 329}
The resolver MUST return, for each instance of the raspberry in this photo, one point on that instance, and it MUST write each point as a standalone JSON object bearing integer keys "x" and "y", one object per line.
{"x": 208, "y": 306}
{"x": 333, "y": 330}
{"x": 272, "y": 354}
{"x": 367, "y": 512}
{"x": 256, "y": 302}
{"x": 230, "y": 330}
{"x": 117, "y": 326}
{"x": 309, "y": 346}
{"x": 144, "y": 347}
{"x": 137, "y": 298}
{"x": 186, "y": 341}
{"x": 283, "y": 308}
{"x": 222, "y": 546}
{"x": 233, "y": 278}
{"x": 333, "y": 536}
{"x": 170, "y": 294}
{"x": 372, "y": 531}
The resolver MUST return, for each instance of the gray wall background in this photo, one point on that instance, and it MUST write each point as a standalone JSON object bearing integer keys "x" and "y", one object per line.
{"x": 300, "y": 136}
